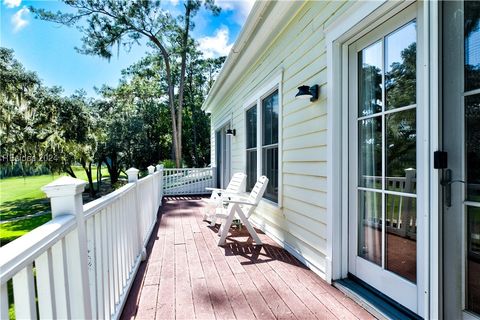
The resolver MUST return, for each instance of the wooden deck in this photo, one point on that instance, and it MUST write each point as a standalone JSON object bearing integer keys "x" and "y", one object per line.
{"x": 187, "y": 276}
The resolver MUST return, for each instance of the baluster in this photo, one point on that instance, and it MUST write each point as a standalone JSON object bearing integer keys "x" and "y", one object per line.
{"x": 116, "y": 266}
{"x": 131, "y": 240}
{"x": 121, "y": 251}
{"x": 46, "y": 300}
{"x": 124, "y": 241}
{"x": 111, "y": 270}
{"x": 99, "y": 254}
{"x": 90, "y": 237}
{"x": 198, "y": 181}
{"x": 24, "y": 294}
{"x": 59, "y": 265}
{"x": 106, "y": 277}
{"x": 4, "y": 306}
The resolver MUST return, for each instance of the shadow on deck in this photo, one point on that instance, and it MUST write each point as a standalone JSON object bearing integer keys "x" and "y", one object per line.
{"x": 187, "y": 276}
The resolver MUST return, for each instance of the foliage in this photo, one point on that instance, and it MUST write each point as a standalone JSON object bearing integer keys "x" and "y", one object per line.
{"x": 111, "y": 23}
{"x": 400, "y": 127}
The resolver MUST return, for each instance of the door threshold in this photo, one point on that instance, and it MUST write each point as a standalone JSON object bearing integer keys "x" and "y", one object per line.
{"x": 379, "y": 305}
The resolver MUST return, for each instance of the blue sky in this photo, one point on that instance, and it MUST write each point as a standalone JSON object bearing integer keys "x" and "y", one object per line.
{"x": 49, "y": 49}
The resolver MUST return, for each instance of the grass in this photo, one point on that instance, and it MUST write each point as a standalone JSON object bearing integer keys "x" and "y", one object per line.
{"x": 20, "y": 196}
{"x": 12, "y": 230}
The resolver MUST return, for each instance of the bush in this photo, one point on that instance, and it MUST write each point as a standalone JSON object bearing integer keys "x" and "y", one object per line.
{"x": 169, "y": 164}
{"x": 16, "y": 170}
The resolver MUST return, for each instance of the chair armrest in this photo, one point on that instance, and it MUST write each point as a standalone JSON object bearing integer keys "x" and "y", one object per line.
{"x": 241, "y": 202}
{"x": 214, "y": 189}
{"x": 234, "y": 196}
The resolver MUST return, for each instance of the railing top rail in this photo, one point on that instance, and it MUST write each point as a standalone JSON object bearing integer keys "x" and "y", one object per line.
{"x": 144, "y": 179}
{"x": 24, "y": 250}
{"x": 97, "y": 205}
{"x": 180, "y": 169}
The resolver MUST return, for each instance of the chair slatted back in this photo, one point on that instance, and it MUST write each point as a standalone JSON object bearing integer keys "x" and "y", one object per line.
{"x": 257, "y": 193}
{"x": 237, "y": 183}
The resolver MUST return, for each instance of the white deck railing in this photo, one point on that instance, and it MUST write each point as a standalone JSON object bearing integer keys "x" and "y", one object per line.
{"x": 188, "y": 181}
{"x": 400, "y": 219}
{"x": 82, "y": 263}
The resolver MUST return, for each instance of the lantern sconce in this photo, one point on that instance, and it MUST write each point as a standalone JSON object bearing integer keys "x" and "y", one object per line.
{"x": 231, "y": 132}
{"x": 306, "y": 92}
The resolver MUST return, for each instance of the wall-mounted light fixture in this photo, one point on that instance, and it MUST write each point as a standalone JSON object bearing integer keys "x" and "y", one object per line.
{"x": 306, "y": 92}
{"x": 231, "y": 132}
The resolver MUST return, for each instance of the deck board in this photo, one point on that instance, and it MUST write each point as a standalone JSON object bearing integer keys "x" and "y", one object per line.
{"x": 187, "y": 276}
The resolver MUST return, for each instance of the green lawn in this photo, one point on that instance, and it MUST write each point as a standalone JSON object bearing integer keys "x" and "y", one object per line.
{"x": 20, "y": 196}
{"x": 12, "y": 230}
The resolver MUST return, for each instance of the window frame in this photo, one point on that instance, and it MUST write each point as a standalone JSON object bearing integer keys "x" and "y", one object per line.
{"x": 255, "y": 148}
{"x": 275, "y": 84}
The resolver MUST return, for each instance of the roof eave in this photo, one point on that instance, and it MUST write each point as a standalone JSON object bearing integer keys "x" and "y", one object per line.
{"x": 261, "y": 11}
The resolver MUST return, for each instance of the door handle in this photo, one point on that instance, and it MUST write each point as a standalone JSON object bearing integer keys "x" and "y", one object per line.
{"x": 447, "y": 186}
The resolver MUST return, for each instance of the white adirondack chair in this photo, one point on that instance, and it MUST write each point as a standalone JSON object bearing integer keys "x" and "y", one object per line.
{"x": 235, "y": 187}
{"x": 242, "y": 208}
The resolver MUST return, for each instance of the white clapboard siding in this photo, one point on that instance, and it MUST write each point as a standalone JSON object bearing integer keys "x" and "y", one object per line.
{"x": 315, "y": 139}
{"x": 298, "y": 52}
{"x": 306, "y": 127}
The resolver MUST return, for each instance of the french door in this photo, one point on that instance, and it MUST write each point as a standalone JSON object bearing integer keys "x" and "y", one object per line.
{"x": 385, "y": 187}
{"x": 461, "y": 140}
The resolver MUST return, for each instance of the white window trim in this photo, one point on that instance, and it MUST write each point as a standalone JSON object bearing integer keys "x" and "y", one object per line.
{"x": 256, "y": 100}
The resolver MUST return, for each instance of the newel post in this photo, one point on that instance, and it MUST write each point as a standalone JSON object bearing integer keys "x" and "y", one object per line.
{"x": 151, "y": 169}
{"x": 214, "y": 177}
{"x": 65, "y": 196}
{"x": 159, "y": 168}
{"x": 154, "y": 197}
{"x": 132, "y": 174}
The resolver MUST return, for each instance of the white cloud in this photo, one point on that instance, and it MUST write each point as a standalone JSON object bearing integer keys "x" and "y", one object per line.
{"x": 174, "y": 2}
{"x": 18, "y": 19}
{"x": 12, "y": 3}
{"x": 240, "y": 7}
{"x": 217, "y": 45}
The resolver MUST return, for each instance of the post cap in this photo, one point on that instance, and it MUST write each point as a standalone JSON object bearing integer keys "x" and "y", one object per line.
{"x": 132, "y": 174}
{"x": 159, "y": 167}
{"x": 132, "y": 171}
{"x": 64, "y": 186}
{"x": 151, "y": 169}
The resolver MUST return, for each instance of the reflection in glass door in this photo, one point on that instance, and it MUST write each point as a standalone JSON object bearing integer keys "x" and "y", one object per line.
{"x": 472, "y": 151}
{"x": 383, "y": 199}
{"x": 387, "y": 152}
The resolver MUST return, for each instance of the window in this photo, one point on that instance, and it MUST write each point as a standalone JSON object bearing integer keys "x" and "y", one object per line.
{"x": 262, "y": 149}
{"x": 270, "y": 144}
{"x": 251, "y": 147}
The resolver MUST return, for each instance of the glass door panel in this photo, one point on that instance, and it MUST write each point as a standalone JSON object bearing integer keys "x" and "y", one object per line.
{"x": 461, "y": 139}
{"x": 472, "y": 152}
{"x": 473, "y": 260}
{"x": 387, "y": 152}
{"x": 383, "y": 159}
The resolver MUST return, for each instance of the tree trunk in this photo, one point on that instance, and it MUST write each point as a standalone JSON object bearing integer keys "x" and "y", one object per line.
{"x": 69, "y": 170}
{"x": 99, "y": 175}
{"x": 188, "y": 7}
{"x": 112, "y": 170}
{"x": 88, "y": 171}
{"x": 194, "y": 123}
{"x": 171, "y": 99}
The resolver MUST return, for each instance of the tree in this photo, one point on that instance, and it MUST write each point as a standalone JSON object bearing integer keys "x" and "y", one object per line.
{"x": 115, "y": 22}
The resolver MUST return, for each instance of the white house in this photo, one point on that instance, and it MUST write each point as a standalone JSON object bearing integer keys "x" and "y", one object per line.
{"x": 357, "y": 188}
